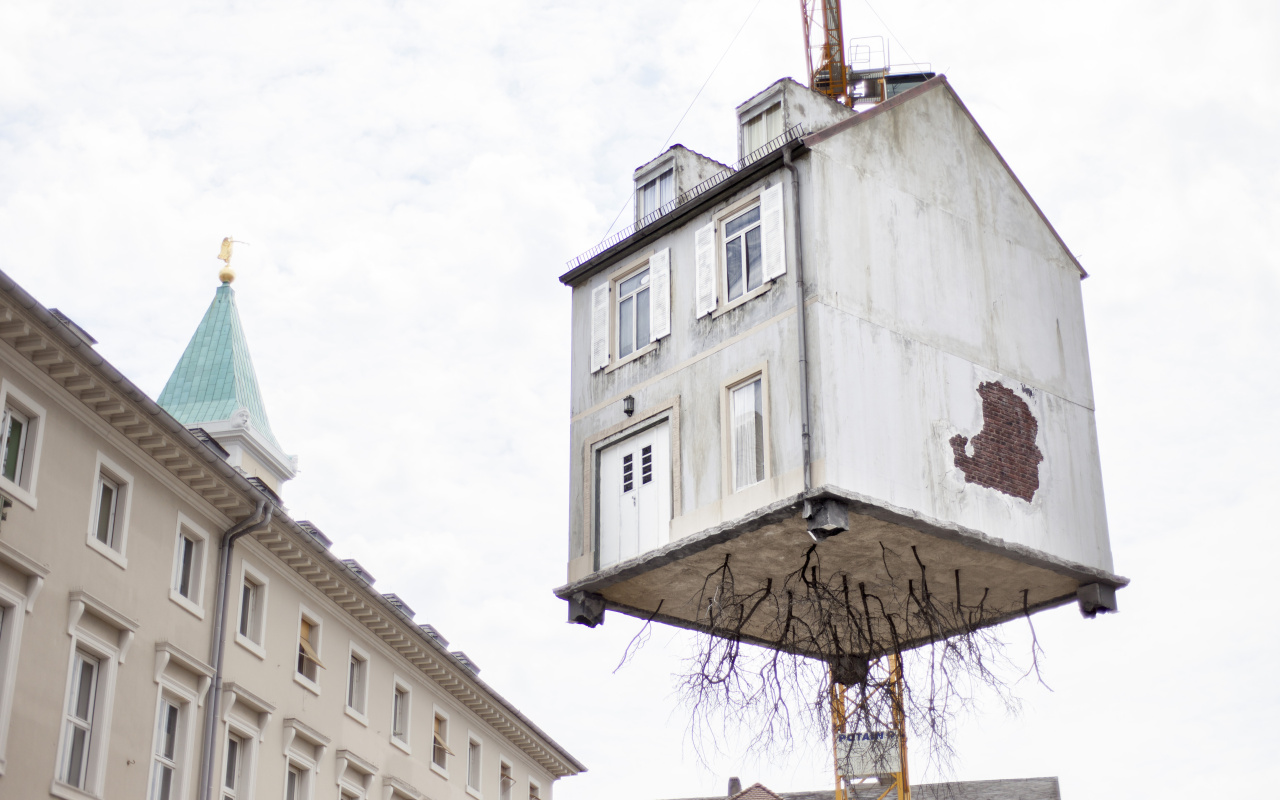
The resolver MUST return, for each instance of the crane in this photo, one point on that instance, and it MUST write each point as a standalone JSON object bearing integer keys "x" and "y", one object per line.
{"x": 834, "y": 74}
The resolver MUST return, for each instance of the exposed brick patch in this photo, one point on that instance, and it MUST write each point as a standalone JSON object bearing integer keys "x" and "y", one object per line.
{"x": 1005, "y": 456}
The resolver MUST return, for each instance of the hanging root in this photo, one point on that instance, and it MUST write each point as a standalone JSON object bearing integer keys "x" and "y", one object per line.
{"x": 771, "y": 649}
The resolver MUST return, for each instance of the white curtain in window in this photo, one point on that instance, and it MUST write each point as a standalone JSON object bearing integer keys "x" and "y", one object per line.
{"x": 748, "y": 435}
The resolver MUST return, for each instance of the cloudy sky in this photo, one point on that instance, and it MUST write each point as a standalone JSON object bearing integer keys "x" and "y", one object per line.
{"x": 410, "y": 178}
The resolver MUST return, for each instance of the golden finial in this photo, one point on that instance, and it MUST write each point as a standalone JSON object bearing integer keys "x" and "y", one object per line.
{"x": 227, "y": 274}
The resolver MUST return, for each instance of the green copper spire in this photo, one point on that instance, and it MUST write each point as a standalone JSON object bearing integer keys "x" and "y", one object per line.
{"x": 215, "y": 377}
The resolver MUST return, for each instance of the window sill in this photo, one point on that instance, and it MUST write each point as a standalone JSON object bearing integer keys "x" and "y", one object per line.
{"x": 474, "y": 793}
{"x": 18, "y": 493}
{"x": 187, "y": 605}
{"x": 746, "y": 298}
{"x": 251, "y": 645}
{"x": 643, "y": 351}
{"x": 113, "y": 555}
{"x": 439, "y": 770}
{"x": 307, "y": 683}
{"x": 68, "y": 792}
{"x": 403, "y": 745}
{"x": 357, "y": 716}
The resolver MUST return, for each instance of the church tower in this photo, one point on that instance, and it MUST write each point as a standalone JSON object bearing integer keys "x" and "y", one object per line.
{"x": 214, "y": 388}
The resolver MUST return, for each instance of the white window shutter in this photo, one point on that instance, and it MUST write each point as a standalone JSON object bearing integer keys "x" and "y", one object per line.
{"x": 705, "y": 257}
{"x": 774, "y": 247}
{"x": 660, "y": 294}
{"x": 600, "y": 327}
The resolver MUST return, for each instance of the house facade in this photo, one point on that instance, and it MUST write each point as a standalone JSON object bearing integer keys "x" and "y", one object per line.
{"x": 865, "y": 327}
{"x": 135, "y": 532}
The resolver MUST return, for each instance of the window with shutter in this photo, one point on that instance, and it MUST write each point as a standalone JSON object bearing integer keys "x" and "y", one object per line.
{"x": 600, "y": 327}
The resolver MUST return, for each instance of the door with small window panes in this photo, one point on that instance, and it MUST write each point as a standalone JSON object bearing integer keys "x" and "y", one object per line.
{"x": 634, "y": 500}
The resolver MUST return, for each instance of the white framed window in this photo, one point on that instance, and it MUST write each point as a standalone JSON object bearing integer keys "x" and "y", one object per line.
{"x": 17, "y": 599}
{"x": 297, "y": 781}
{"x": 309, "y": 663}
{"x": 746, "y": 432}
{"x": 357, "y": 683}
{"x": 109, "y": 510}
{"x": 656, "y": 192}
{"x": 761, "y": 128}
{"x": 743, "y": 262}
{"x": 304, "y": 749}
{"x": 401, "y": 711}
{"x": 21, "y": 434}
{"x": 535, "y": 791}
{"x": 80, "y": 720}
{"x": 167, "y": 766}
{"x": 440, "y": 751}
{"x": 639, "y": 315}
{"x": 506, "y": 780}
{"x": 740, "y": 252}
{"x": 475, "y": 763}
{"x": 251, "y": 615}
{"x": 245, "y": 716}
{"x": 235, "y": 778}
{"x": 87, "y": 708}
{"x": 190, "y": 545}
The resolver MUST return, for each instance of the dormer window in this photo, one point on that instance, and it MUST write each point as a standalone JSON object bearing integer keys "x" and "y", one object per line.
{"x": 762, "y": 128}
{"x": 656, "y": 193}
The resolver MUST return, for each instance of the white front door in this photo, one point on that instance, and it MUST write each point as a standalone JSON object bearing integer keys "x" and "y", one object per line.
{"x": 635, "y": 494}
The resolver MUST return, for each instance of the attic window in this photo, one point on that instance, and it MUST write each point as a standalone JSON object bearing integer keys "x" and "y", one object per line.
{"x": 759, "y": 130}
{"x": 656, "y": 193}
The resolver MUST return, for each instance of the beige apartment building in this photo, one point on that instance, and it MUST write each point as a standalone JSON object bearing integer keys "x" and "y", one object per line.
{"x": 168, "y": 631}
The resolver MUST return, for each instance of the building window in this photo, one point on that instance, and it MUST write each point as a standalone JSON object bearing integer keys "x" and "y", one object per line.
{"x": 535, "y": 791}
{"x": 474, "y": 753}
{"x": 634, "y": 494}
{"x": 440, "y": 751}
{"x": 639, "y": 316}
{"x": 14, "y": 431}
{"x": 164, "y": 780}
{"x": 232, "y": 780}
{"x": 21, "y": 431}
{"x": 109, "y": 511}
{"x": 105, "y": 519}
{"x": 760, "y": 129}
{"x": 739, "y": 253}
{"x": 357, "y": 682}
{"x": 14, "y": 606}
{"x": 746, "y": 436}
{"x": 79, "y": 722}
{"x": 253, "y": 607}
{"x": 187, "y": 589}
{"x": 295, "y": 783}
{"x": 308, "y": 648}
{"x": 505, "y": 781}
{"x": 633, "y": 313}
{"x": 743, "y": 265}
{"x": 400, "y": 713}
{"x": 656, "y": 193}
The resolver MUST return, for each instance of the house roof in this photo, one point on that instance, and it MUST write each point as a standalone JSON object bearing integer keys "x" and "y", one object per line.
{"x": 215, "y": 376}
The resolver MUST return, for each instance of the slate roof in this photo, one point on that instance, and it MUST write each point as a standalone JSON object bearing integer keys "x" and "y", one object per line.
{"x": 215, "y": 375}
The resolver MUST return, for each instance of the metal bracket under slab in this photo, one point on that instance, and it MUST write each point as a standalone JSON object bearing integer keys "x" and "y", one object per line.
{"x": 849, "y": 670}
{"x": 586, "y": 608}
{"x": 1096, "y": 598}
{"x": 826, "y": 517}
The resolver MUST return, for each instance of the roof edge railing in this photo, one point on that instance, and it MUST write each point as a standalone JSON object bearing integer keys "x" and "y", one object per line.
{"x": 792, "y": 134}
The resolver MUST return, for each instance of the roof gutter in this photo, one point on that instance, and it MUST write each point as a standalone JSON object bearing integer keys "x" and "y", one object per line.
{"x": 256, "y": 521}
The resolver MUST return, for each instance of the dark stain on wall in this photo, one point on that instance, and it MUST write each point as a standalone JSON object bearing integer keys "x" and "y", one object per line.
{"x": 1005, "y": 456}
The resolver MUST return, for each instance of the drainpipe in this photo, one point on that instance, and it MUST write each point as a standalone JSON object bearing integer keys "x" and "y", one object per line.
{"x": 256, "y": 521}
{"x": 801, "y": 335}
